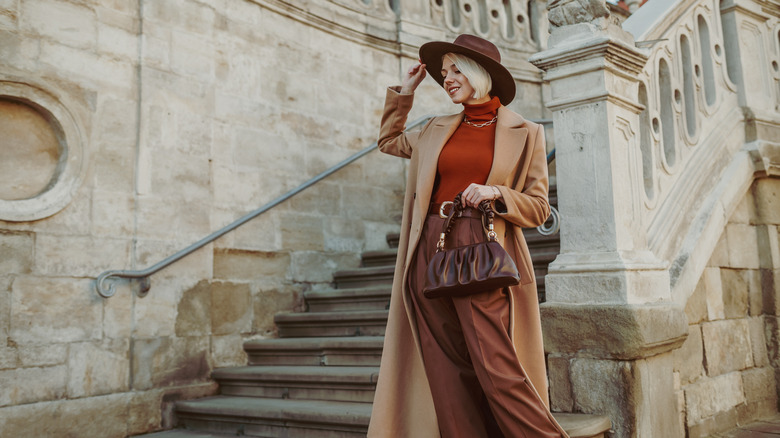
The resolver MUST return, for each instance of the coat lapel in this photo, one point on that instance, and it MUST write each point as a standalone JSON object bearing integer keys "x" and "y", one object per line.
{"x": 510, "y": 141}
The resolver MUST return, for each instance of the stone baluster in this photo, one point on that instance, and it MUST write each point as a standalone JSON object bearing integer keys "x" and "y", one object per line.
{"x": 633, "y": 5}
{"x": 609, "y": 322}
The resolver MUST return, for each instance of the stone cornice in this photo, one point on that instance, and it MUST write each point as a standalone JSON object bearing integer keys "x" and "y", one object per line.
{"x": 613, "y": 331}
{"x": 615, "y": 52}
{"x": 347, "y": 23}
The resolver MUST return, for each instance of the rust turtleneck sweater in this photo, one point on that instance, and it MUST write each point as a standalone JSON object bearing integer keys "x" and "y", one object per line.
{"x": 468, "y": 155}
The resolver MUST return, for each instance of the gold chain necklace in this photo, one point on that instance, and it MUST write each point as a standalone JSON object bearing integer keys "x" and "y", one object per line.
{"x": 479, "y": 125}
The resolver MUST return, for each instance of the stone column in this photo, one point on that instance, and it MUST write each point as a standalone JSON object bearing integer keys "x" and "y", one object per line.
{"x": 610, "y": 323}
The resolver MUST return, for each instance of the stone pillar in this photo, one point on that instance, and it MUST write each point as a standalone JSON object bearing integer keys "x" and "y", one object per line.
{"x": 609, "y": 322}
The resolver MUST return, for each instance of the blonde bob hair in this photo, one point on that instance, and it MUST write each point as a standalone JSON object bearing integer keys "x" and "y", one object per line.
{"x": 478, "y": 77}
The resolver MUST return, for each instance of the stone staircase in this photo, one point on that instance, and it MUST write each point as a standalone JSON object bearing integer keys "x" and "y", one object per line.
{"x": 318, "y": 378}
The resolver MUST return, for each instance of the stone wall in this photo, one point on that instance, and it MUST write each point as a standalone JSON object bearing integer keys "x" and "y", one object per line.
{"x": 726, "y": 371}
{"x": 174, "y": 118}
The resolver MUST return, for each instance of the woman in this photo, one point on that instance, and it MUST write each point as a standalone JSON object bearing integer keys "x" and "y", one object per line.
{"x": 470, "y": 366}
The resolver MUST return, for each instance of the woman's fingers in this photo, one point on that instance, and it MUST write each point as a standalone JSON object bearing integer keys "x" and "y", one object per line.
{"x": 476, "y": 193}
{"x": 414, "y": 76}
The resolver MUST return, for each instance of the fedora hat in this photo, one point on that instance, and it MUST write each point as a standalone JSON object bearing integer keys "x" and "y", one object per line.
{"x": 480, "y": 50}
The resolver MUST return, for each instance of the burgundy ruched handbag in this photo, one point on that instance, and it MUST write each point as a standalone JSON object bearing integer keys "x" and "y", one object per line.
{"x": 469, "y": 269}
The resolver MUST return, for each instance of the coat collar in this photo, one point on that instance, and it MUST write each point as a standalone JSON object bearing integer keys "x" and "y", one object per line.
{"x": 510, "y": 140}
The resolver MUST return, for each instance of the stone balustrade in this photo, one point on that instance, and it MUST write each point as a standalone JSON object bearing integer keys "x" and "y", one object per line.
{"x": 662, "y": 138}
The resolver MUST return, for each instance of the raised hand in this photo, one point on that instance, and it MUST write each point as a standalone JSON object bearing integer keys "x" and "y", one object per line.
{"x": 414, "y": 75}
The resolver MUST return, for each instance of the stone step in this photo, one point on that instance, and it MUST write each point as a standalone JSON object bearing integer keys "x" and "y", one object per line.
{"x": 314, "y": 324}
{"x": 260, "y": 417}
{"x": 364, "y": 277}
{"x": 584, "y": 425}
{"x": 334, "y": 351}
{"x": 221, "y": 416}
{"x": 384, "y": 257}
{"x": 364, "y": 298}
{"x": 183, "y": 433}
{"x": 392, "y": 239}
{"x": 354, "y": 384}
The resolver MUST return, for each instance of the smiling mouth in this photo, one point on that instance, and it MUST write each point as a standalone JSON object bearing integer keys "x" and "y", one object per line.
{"x": 454, "y": 90}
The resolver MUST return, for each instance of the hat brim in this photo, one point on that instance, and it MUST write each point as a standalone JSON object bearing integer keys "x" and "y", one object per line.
{"x": 503, "y": 83}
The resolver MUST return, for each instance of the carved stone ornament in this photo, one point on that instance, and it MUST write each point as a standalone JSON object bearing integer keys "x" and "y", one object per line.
{"x": 567, "y": 12}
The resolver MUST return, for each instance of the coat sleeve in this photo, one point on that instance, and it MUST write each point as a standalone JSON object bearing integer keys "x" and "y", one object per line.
{"x": 393, "y": 139}
{"x": 525, "y": 202}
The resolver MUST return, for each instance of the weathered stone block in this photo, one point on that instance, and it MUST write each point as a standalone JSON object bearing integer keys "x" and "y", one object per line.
{"x": 98, "y": 368}
{"x": 720, "y": 422}
{"x": 231, "y": 308}
{"x": 745, "y": 212}
{"x": 16, "y": 252}
{"x": 770, "y": 284}
{"x": 612, "y": 331}
{"x": 30, "y": 385}
{"x": 269, "y": 302}
{"x": 72, "y": 221}
{"x": 193, "y": 314}
{"x": 8, "y": 357}
{"x": 67, "y": 23}
{"x": 143, "y": 412}
{"x": 94, "y": 416}
{"x": 161, "y": 362}
{"x": 689, "y": 359}
{"x": 325, "y": 199}
{"x": 181, "y": 181}
{"x": 235, "y": 264}
{"x": 743, "y": 246}
{"x": 600, "y": 386}
{"x": 714, "y": 290}
{"x": 317, "y": 267}
{"x": 755, "y": 292}
{"x": 5, "y": 307}
{"x": 302, "y": 233}
{"x": 720, "y": 255}
{"x": 696, "y": 307}
{"x": 727, "y": 346}
{"x": 116, "y": 124}
{"x": 123, "y": 15}
{"x": 708, "y": 397}
{"x": 62, "y": 61}
{"x": 760, "y": 385}
{"x": 117, "y": 42}
{"x": 111, "y": 213}
{"x": 118, "y": 311}
{"x": 758, "y": 341}
{"x": 561, "y": 398}
{"x": 767, "y": 193}
{"x": 111, "y": 170}
{"x": 192, "y": 55}
{"x": 51, "y": 310}
{"x": 87, "y": 256}
{"x": 342, "y": 235}
{"x": 735, "y": 288}
{"x": 228, "y": 351}
{"x": 42, "y": 355}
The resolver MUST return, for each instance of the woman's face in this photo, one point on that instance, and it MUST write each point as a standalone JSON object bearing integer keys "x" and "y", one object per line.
{"x": 457, "y": 85}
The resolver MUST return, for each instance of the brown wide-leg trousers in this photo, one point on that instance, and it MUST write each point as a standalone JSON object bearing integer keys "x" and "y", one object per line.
{"x": 479, "y": 387}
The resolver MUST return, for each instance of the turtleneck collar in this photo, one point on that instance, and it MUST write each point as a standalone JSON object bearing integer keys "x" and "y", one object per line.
{"x": 486, "y": 110}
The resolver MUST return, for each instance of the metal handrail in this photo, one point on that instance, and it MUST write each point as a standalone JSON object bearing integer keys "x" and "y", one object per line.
{"x": 555, "y": 225}
{"x": 107, "y": 291}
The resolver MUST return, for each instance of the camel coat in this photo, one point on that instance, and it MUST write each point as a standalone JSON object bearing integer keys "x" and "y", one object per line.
{"x": 403, "y": 406}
